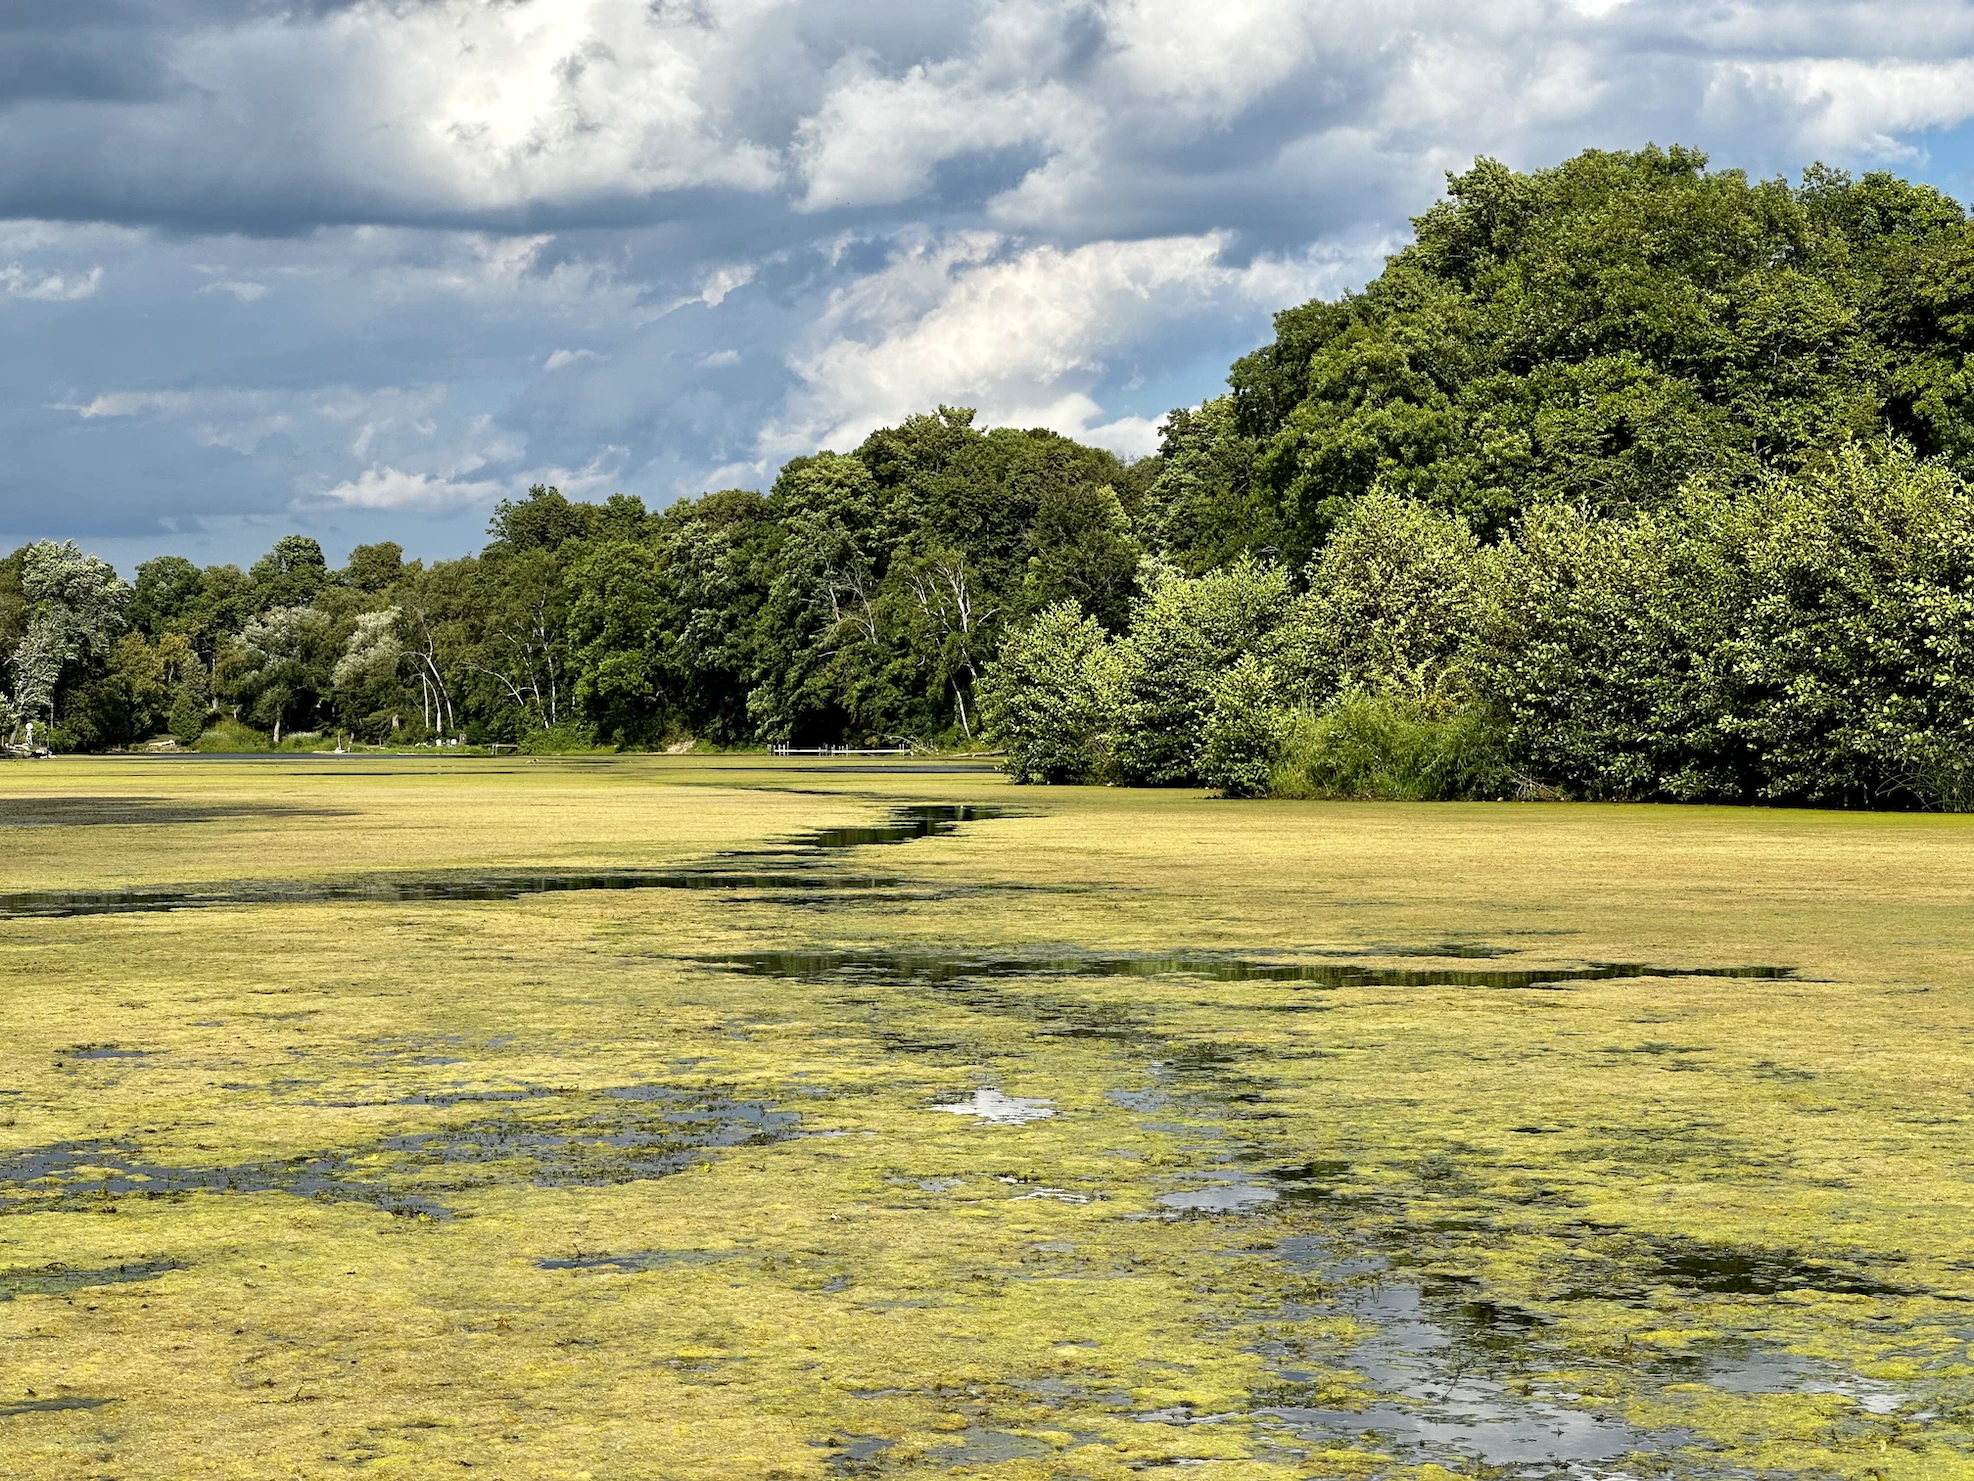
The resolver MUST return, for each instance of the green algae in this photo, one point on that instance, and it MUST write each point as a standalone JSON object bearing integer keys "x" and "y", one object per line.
{"x": 1262, "y": 1232}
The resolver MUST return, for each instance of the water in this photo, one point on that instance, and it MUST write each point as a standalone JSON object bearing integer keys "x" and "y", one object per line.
{"x": 614, "y": 1136}
{"x": 996, "y": 1109}
{"x": 935, "y": 967}
{"x": 59, "y": 1280}
{"x": 791, "y": 868}
{"x": 124, "y": 812}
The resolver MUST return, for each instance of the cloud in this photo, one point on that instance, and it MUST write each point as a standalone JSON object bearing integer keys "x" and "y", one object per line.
{"x": 45, "y": 287}
{"x": 1023, "y": 334}
{"x": 242, "y": 292}
{"x": 393, "y": 488}
{"x": 1066, "y": 212}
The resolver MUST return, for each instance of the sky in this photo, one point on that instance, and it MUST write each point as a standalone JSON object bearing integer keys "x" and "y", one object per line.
{"x": 359, "y": 269}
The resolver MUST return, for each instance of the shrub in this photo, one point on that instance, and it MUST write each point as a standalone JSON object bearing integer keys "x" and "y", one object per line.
{"x": 1245, "y": 732}
{"x": 557, "y": 740}
{"x": 1387, "y": 748}
{"x": 1048, "y": 696}
{"x": 229, "y": 734}
{"x": 1184, "y": 638}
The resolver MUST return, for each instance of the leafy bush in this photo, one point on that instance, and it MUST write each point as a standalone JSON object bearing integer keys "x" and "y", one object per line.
{"x": 558, "y": 740}
{"x": 1387, "y": 748}
{"x": 1184, "y": 637}
{"x": 1048, "y": 695}
{"x": 1245, "y": 733}
{"x": 1396, "y": 602}
{"x": 229, "y": 734}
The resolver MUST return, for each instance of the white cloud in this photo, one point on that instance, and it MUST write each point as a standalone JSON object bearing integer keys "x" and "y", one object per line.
{"x": 713, "y": 292}
{"x": 1209, "y": 57}
{"x": 242, "y": 292}
{"x": 1023, "y": 334}
{"x": 562, "y": 358}
{"x": 1841, "y": 102}
{"x": 393, "y": 488}
{"x": 719, "y": 358}
{"x": 46, "y": 287}
{"x": 877, "y": 140}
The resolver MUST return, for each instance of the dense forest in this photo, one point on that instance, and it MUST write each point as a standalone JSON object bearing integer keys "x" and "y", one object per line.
{"x": 1628, "y": 479}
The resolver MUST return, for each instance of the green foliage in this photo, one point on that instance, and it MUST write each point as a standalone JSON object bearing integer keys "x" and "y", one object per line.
{"x": 1203, "y": 507}
{"x": 164, "y": 594}
{"x": 1048, "y": 696}
{"x": 1803, "y": 640}
{"x": 1186, "y": 632}
{"x": 1389, "y": 748}
{"x": 1246, "y": 731}
{"x": 189, "y": 712}
{"x": 285, "y": 664}
{"x": 566, "y": 739}
{"x": 375, "y": 568}
{"x": 1396, "y": 602}
{"x": 75, "y": 608}
{"x": 227, "y": 734}
{"x": 289, "y": 575}
{"x": 1600, "y": 332}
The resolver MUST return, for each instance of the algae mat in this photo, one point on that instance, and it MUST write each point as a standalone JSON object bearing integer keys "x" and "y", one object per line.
{"x": 713, "y": 1119}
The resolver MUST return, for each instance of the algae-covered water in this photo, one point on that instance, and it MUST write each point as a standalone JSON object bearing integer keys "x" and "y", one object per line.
{"x": 712, "y": 1119}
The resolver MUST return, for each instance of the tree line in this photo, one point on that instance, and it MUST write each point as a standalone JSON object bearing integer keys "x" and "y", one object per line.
{"x": 1627, "y": 479}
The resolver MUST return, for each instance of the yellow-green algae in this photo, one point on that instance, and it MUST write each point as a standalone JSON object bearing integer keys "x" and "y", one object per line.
{"x": 900, "y": 1290}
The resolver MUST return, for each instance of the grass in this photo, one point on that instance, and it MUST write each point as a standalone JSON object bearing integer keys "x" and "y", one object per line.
{"x": 1610, "y": 1197}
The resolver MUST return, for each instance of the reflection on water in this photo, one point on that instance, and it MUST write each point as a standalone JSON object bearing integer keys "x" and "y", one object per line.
{"x": 613, "y": 1136}
{"x": 918, "y": 967}
{"x": 800, "y": 865}
{"x": 997, "y": 1109}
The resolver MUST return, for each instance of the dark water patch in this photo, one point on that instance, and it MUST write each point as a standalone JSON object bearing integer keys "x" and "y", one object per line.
{"x": 854, "y": 1455}
{"x": 101, "y": 1051}
{"x": 59, "y": 1280}
{"x": 1736, "y": 1270}
{"x": 78, "y": 1175}
{"x": 53, "y": 1406}
{"x": 626, "y": 1135}
{"x": 425, "y": 889}
{"x": 920, "y": 967}
{"x": 979, "y": 1446}
{"x": 789, "y": 874}
{"x": 628, "y": 1262}
{"x": 1447, "y": 1370}
{"x": 906, "y": 825}
{"x": 653, "y": 1132}
{"x": 123, "y": 812}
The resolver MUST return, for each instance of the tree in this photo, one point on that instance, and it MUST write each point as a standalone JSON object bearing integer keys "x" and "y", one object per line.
{"x": 1184, "y": 635}
{"x": 1395, "y": 604}
{"x": 368, "y": 680}
{"x": 375, "y": 568}
{"x": 1050, "y": 695}
{"x": 164, "y": 594}
{"x": 289, "y": 575}
{"x": 1598, "y": 334}
{"x": 287, "y": 659}
{"x": 76, "y": 608}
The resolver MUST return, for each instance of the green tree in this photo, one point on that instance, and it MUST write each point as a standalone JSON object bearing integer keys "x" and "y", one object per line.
{"x": 289, "y": 575}
{"x": 1049, "y": 696}
{"x": 76, "y": 608}
{"x": 375, "y": 568}
{"x": 1185, "y": 634}
{"x": 287, "y": 660}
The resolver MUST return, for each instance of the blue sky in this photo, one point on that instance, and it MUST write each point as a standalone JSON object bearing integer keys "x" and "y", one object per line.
{"x": 360, "y": 268}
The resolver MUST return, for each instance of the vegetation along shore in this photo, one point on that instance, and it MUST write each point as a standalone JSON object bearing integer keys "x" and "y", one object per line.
{"x": 1625, "y": 480}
